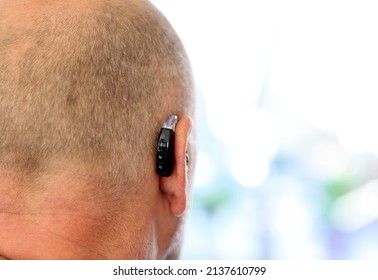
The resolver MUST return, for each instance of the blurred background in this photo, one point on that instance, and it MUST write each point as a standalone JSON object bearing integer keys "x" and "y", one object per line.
{"x": 287, "y": 95}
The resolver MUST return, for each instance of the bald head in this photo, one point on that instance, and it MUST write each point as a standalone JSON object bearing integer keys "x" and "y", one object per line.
{"x": 84, "y": 89}
{"x": 87, "y": 81}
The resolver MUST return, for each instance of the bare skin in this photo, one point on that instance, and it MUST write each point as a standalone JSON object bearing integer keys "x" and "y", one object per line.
{"x": 62, "y": 214}
{"x": 68, "y": 219}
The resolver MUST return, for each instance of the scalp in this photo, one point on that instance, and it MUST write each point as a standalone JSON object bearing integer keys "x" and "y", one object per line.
{"x": 89, "y": 82}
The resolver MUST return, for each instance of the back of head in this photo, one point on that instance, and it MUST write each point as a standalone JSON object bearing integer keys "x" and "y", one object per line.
{"x": 84, "y": 89}
{"x": 87, "y": 83}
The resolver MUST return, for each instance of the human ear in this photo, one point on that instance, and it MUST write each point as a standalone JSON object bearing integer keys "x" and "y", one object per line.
{"x": 174, "y": 187}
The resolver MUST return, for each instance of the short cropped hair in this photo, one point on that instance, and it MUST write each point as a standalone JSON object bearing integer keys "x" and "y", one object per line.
{"x": 89, "y": 86}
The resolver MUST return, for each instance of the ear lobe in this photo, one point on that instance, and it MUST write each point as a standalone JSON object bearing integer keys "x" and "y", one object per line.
{"x": 174, "y": 187}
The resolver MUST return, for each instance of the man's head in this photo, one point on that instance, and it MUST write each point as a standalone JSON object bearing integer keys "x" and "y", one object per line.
{"x": 84, "y": 89}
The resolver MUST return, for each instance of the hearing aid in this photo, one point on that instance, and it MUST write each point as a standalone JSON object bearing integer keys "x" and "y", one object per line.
{"x": 165, "y": 147}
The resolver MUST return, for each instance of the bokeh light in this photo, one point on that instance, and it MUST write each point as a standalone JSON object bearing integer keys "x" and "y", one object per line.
{"x": 288, "y": 147}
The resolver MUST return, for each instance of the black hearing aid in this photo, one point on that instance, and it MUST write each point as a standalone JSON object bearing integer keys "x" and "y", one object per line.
{"x": 165, "y": 148}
